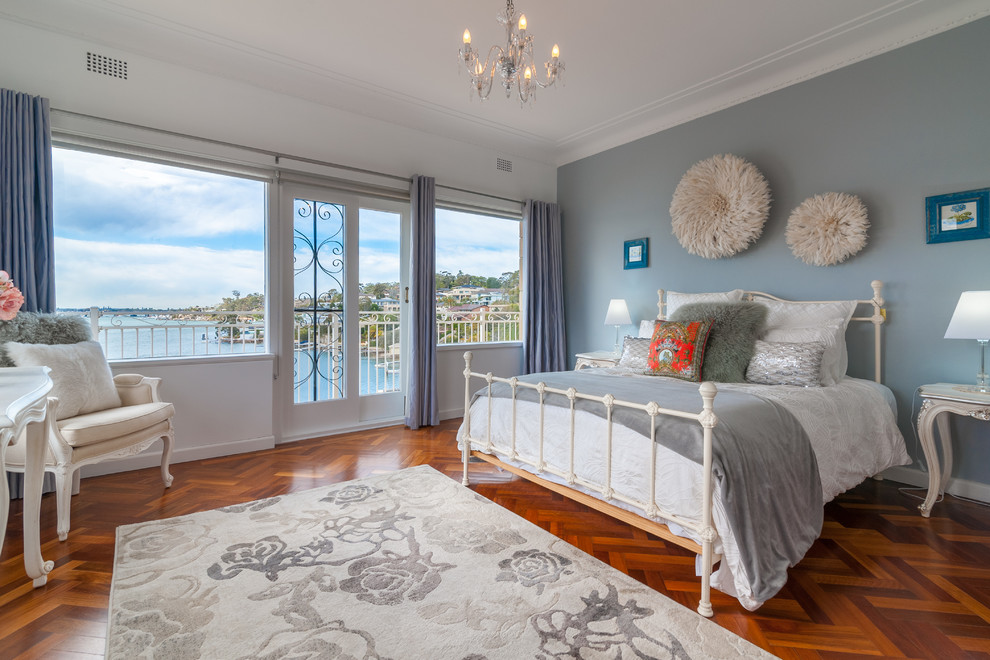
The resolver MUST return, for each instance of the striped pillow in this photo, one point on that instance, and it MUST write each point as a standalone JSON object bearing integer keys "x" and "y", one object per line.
{"x": 786, "y": 363}
{"x": 635, "y": 353}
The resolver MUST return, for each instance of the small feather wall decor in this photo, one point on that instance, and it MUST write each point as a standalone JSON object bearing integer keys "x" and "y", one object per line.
{"x": 827, "y": 229}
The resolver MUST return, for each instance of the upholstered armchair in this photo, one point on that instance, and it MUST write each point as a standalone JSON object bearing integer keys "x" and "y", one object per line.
{"x": 92, "y": 415}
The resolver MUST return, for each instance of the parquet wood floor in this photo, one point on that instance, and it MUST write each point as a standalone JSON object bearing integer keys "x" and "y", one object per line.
{"x": 881, "y": 581}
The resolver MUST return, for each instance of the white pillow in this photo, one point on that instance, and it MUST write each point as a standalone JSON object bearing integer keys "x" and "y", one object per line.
{"x": 80, "y": 374}
{"x": 804, "y": 322}
{"x": 646, "y": 327}
{"x": 676, "y": 299}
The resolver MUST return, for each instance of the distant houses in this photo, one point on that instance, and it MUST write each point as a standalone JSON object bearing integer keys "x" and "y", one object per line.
{"x": 468, "y": 293}
{"x": 461, "y": 298}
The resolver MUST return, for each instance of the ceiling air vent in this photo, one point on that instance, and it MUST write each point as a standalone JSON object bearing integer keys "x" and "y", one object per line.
{"x": 108, "y": 66}
{"x": 503, "y": 165}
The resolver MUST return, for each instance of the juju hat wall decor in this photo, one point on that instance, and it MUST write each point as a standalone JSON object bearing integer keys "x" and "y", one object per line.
{"x": 827, "y": 229}
{"x": 720, "y": 206}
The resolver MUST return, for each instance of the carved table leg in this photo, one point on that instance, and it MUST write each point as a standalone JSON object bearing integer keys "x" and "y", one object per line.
{"x": 926, "y": 423}
{"x": 945, "y": 439}
{"x": 34, "y": 472}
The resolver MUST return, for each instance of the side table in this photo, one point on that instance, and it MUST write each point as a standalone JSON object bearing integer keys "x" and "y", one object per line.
{"x": 23, "y": 406}
{"x": 938, "y": 400}
{"x": 595, "y": 359}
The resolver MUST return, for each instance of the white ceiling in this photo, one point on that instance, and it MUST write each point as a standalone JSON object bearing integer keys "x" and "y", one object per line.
{"x": 633, "y": 67}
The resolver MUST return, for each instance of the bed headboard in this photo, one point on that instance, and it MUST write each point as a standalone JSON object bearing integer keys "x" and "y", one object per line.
{"x": 877, "y": 316}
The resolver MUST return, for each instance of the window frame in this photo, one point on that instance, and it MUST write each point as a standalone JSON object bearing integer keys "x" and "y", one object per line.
{"x": 122, "y": 150}
{"x": 445, "y": 205}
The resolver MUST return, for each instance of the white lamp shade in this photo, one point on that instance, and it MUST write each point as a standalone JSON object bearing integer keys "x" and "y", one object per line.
{"x": 971, "y": 320}
{"x": 618, "y": 313}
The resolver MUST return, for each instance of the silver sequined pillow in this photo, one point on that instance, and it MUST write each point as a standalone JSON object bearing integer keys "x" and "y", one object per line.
{"x": 786, "y": 363}
{"x": 635, "y": 351}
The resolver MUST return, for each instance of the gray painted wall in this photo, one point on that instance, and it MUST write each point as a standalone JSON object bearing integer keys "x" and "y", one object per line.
{"x": 893, "y": 129}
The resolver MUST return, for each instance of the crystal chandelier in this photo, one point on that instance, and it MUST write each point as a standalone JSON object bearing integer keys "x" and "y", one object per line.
{"x": 514, "y": 64}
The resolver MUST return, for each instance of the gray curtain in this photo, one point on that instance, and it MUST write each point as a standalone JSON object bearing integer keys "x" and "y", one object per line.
{"x": 422, "y": 402}
{"x": 27, "y": 236}
{"x": 27, "y": 239}
{"x": 545, "y": 348}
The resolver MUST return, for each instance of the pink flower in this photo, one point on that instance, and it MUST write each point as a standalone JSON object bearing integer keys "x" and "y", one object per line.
{"x": 4, "y": 279}
{"x": 10, "y": 301}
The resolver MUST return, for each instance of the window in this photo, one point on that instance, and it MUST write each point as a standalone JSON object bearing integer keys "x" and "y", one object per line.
{"x": 172, "y": 257}
{"x": 477, "y": 279}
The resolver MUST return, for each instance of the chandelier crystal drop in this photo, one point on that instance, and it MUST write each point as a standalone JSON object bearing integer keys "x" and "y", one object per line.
{"x": 514, "y": 64}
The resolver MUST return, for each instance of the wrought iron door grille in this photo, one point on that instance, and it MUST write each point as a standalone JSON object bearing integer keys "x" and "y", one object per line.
{"x": 318, "y": 267}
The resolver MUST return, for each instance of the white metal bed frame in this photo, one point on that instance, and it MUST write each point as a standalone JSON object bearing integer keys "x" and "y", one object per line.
{"x": 648, "y": 515}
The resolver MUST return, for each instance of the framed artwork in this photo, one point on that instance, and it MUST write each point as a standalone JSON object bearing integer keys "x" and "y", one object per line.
{"x": 958, "y": 216}
{"x": 636, "y": 253}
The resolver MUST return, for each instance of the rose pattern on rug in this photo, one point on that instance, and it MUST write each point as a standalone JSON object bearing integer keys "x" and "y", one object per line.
{"x": 403, "y": 565}
{"x": 605, "y": 626}
{"x": 533, "y": 568}
{"x": 350, "y": 494}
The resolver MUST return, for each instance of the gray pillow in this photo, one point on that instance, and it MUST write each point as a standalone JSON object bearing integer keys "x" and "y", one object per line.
{"x": 786, "y": 363}
{"x": 732, "y": 341}
{"x": 635, "y": 352}
{"x": 35, "y": 328}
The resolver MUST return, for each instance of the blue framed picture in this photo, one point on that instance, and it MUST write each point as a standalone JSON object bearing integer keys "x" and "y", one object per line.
{"x": 958, "y": 216}
{"x": 636, "y": 253}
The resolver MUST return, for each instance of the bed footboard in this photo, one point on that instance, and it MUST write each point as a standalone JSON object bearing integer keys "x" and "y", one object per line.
{"x": 645, "y": 515}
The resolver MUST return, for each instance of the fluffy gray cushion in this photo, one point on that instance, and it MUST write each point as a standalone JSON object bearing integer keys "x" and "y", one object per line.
{"x": 732, "y": 341}
{"x": 80, "y": 375}
{"x": 35, "y": 328}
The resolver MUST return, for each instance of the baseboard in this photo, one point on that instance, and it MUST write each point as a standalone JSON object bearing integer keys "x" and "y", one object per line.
{"x": 452, "y": 413}
{"x": 973, "y": 490}
{"x": 153, "y": 457}
{"x": 363, "y": 426}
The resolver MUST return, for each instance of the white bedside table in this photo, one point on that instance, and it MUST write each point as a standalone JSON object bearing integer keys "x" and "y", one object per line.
{"x": 938, "y": 400}
{"x": 595, "y": 359}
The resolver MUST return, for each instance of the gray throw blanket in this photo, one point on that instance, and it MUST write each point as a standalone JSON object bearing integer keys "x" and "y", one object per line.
{"x": 763, "y": 464}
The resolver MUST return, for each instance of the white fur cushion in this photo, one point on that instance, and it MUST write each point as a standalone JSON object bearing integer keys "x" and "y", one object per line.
{"x": 80, "y": 373}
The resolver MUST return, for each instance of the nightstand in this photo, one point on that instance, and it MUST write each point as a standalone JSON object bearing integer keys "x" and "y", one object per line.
{"x": 938, "y": 400}
{"x": 596, "y": 359}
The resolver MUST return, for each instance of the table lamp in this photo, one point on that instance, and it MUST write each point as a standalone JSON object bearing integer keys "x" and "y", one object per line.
{"x": 617, "y": 314}
{"x": 971, "y": 320}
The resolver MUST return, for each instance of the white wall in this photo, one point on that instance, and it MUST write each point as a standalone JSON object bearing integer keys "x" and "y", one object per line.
{"x": 225, "y": 407}
{"x": 504, "y": 360}
{"x": 164, "y": 96}
{"x": 221, "y": 407}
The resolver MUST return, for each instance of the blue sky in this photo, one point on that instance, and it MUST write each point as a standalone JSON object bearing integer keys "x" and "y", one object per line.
{"x": 136, "y": 234}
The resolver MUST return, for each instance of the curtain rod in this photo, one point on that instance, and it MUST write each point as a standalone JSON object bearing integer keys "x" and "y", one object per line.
{"x": 274, "y": 154}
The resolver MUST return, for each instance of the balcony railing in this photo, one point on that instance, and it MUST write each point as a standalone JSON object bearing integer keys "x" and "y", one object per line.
{"x": 151, "y": 334}
{"x": 481, "y": 327}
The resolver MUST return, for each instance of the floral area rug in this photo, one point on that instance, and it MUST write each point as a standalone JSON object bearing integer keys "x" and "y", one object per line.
{"x": 403, "y": 565}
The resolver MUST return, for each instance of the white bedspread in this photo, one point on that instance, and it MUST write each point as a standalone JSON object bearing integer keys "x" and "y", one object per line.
{"x": 852, "y": 427}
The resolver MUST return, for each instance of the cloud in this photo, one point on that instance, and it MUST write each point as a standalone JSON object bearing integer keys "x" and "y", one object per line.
{"x": 107, "y": 274}
{"x": 477, "y": 245}
{"x": 97, "y": 195}
{"x": 378, "y": 266}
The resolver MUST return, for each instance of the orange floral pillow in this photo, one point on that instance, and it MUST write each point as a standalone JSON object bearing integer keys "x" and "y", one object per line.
{"x": 678, "y": 348}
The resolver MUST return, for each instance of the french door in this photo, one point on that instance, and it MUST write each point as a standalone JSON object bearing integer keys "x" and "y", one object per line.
{"x": 343, "y": 303}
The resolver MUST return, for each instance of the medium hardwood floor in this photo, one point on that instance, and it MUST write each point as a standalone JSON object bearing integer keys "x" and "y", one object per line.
{"x": 881, "y": 581}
